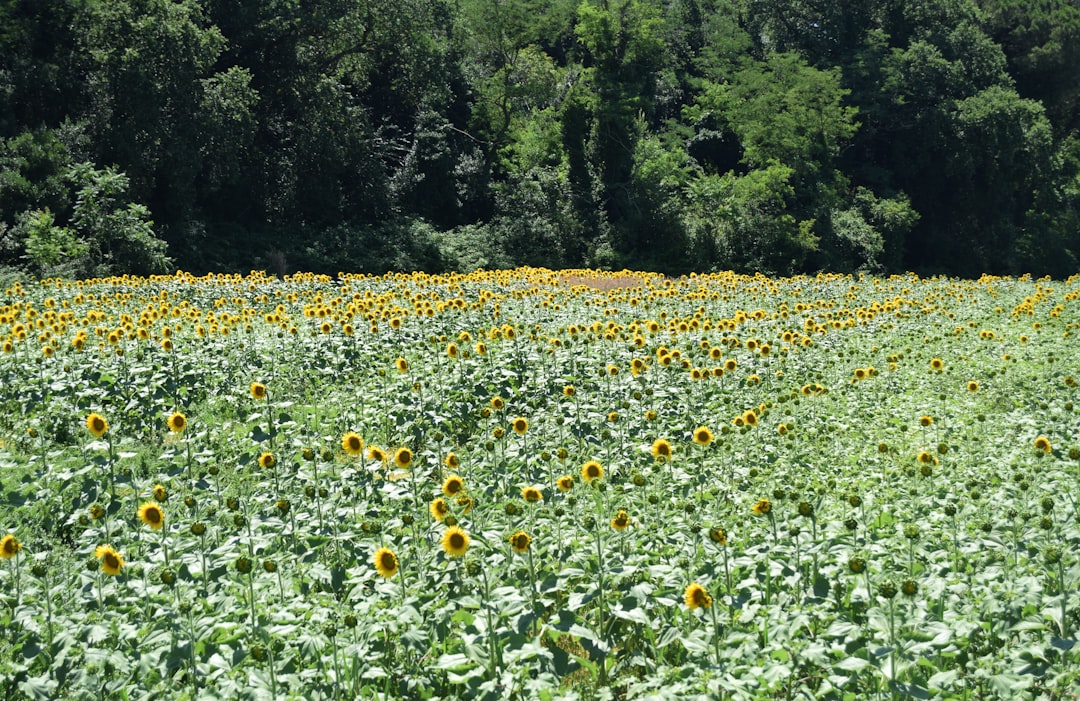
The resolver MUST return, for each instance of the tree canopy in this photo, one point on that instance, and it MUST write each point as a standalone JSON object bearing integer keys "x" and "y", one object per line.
{"x": 941, "y": 136}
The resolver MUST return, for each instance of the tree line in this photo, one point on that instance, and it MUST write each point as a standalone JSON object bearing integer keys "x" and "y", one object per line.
{"x": 941, "y": 136}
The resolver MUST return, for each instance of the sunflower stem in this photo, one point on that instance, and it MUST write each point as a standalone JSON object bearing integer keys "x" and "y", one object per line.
{"x": 251, "y": 600}
{"x": 1064, "y": 599}
{"x": 715, "y": 635}
{"x": 490, "y": 626}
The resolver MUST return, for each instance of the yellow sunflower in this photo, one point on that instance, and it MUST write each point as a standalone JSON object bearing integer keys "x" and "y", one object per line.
{"x": 452, "y": 485}
{"x": 352, "y": 443}
{"x": 531, "y": 494}
{"x": 177, "y": 422}
{"x": 761, "y": 507}
{"x": 160, "y": 493}
{"x": 592, "y": 470}
{"x": 520, "y": 425}
{"x": 97, "y": 425}
{"x": 152, "y": 515}
{"x": 621, "y": 521}
{"x": 1042, "y": 443}
{"x": 455, "y": 542}
{"x": 520, "y": 541}
{"x": 695, "y": 596}
{"x": 565, "y": 483}
{"x": 402, "y": 365}
{"x": 452, "y": 461}
{"x": 376, "y": 453}
{"x": 111, "y": 561}
{"x": 438, "y": 508}
{"x": 703, "y": 436}
{"x": 258, "y": 390}
{"x": 973, "y": 386}
{"x": 386, "y": 562}
{"x": 403, "y": 457}
{"x": 661, "y": 449}
{"x": 266, "y": 460}
{"x": 9, "y": 547}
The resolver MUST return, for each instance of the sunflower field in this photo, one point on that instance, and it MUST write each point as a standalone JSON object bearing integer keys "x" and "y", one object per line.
{"x": 540, "y": 484}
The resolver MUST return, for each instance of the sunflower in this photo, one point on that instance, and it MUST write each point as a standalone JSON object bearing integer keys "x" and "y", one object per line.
{"x": 860, "y": 373}
{"x": 730, "y": 364}
{"x": 452, "y": 485}
{"x": 455, "y": 541}
{"x": 926, "y": 457}
{"x": 376, "y": 453}
{"x": 97, "y": 425}
{"x": 520, "y": 425}
{"x": 703, "y": 436}
{"x": 937, "y": 364}
{"x": 152, "y": 515}
{"x": 386, "y": 562}
{"x": 402, "y": 365}
{"x": 438, "y": 508}
{"x": 160, "y": 493}
{"x": 592, "y": 470}
{"x": 925, "y": 420}
{"x": 718, "y": 535}
{"x": 762, "y": 506}
{"x": 750, "y": 417}
{"x": 497, "y": 403}
{"x": 695, "y": 596}
{"x": 520, "y": 541}
{"x": 481, "y": 348}
{"x": 661, "y": 449}
{"x": 177, "y": 422}
{"x": 266, "y": 460}
{"x": 9, "y": 547}
{"x": 565, "y": 483}
{"x": 531, "y": 494}
{"x": 973, "y": 386}
{"x": 466, "y": 503}
{"x": 403, "y": 457}
{"x": 258, "y": 390}
{"x": 452, "y": 350}
{"x": 569, "y": 391}
{"x": 1042, "y": 443}
{"x": 621, "y": 520}
{"x": 352, "y": 444}
{"x": 111, "y": 561}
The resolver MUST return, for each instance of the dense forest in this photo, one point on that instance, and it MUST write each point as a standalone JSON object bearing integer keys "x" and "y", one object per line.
{"x": 941, "y": 136}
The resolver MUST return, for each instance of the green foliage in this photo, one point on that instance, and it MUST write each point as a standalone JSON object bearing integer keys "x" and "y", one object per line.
{"x": 560, "y": 128}
{"x": 114, "y": 235}
{"x": 48, "y": 245}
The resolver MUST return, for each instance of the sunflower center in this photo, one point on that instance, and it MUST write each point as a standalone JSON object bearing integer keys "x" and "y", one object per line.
{"x": 111, "y": 561}
{"x": 153, "y": 515}
{"x": 457, "y": 541}
{"x": 389, "y": 562}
